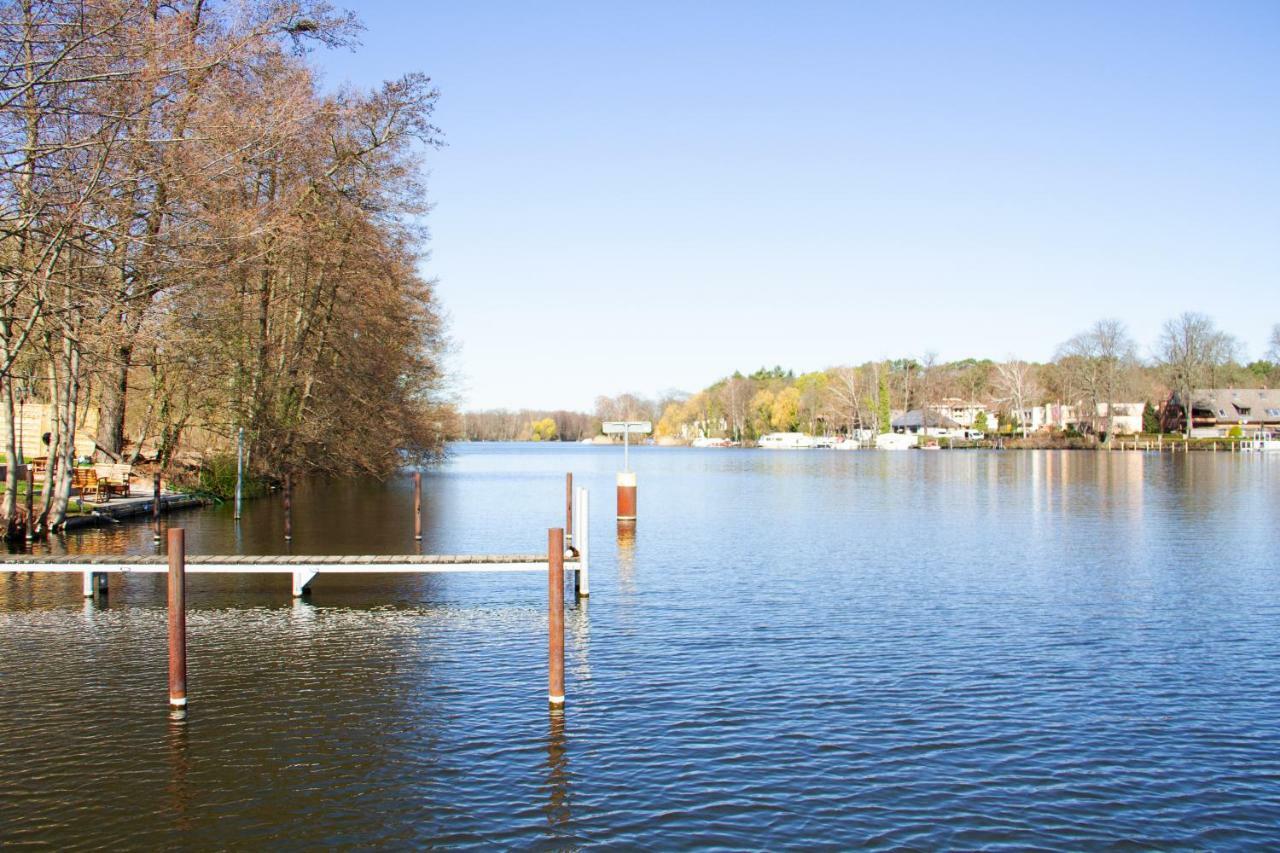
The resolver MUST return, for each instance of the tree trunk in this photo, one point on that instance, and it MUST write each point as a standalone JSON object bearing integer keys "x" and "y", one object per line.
{"x": 67, "y": 449}
{"x": 12, "y": 454}
{"x": 111, "y": 406}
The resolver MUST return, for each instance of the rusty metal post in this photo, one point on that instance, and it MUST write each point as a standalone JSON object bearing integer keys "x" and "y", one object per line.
{"x": 568, "y": 509}
{"x": 155, "y": 509}
{"x": 288, "y": 507}
{"x": 627, "y": 496}
{"x": 555, "y": 616}
{"x": 31, "y": 498}
{"x": 177, "y": 618}
{"x": 417, "y": 506}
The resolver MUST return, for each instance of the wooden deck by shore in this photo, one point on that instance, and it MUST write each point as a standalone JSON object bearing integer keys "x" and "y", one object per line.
{"x": 118, "y": 509}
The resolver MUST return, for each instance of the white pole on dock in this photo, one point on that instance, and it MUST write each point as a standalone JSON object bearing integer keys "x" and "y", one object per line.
{"x": 555, "y": 617}
{"x": 239, "y": 469}
{"x": 568, "y": 509}
{"x": 582, "y": 575}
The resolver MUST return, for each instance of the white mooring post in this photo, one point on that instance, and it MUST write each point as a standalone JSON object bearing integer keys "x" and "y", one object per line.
{"x": 88, "y": 584}
{"x": 582, "y": 536}
{"x": 239, "y": 469}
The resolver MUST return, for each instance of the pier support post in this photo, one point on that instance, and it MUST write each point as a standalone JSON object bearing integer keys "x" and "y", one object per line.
{"x": 288, "y": 507}
{"x": 177, "y": 618}
{"x": 302, "y": 582}
{"x": 417, "y": 506}
{"x": 582, "y": 575}
{"x": 555, "y": 614}
{"x": 155, "y": 509}
{"x": 568, "y": 509}
{"x": 627, "y": 496}
{"x": 88, "y": 584}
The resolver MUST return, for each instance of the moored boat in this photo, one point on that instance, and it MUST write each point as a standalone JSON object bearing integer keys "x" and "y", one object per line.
{"x": 786, "y": 441}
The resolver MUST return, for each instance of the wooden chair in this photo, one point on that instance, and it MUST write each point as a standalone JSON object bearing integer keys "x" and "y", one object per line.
{"x": 84, "y": 481}
{"x": 113, "y": 479}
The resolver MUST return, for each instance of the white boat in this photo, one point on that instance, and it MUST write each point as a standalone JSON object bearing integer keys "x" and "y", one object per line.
{"x": 1261, "y": 445}
{"x": 786, "y": 441}
{"x": 859, "y": 438}
{"x": 712, "y": 442}
{"x": 895, "y": 441}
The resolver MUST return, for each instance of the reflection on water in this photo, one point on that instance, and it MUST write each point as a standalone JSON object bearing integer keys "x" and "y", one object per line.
{"x": 557, "y": 773}
{"x": 921, "y": 650}
{"x": 627, "y": 554}
{"x": 180, "y": 764}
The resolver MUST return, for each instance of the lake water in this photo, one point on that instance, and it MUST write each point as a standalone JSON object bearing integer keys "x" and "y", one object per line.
{"x": 953, "y": 649}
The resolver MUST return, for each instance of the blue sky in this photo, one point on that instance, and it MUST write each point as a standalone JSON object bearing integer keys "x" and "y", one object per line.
{"x": 640, "y": 196}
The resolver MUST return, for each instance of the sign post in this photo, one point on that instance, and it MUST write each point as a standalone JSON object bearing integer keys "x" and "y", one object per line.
{"x": 626, "y": 478}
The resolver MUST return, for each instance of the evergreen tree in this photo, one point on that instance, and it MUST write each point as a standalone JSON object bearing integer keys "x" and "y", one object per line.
{"x": 882, "y": 408}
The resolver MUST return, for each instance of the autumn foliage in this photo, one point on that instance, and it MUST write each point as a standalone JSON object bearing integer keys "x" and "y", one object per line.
{"x": 197, "y": 240}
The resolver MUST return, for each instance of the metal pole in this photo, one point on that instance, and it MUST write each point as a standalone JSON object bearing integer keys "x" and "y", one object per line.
{"x": 626, "y": 447}
{"x": 555, "y": 614}
{"x": 288, "y": 506}
{"x": 417, "y": 505}
{"x": 568, "y": 509}
{"x": 31, "y": 497}
{"x": 155, "y": 509}
{"x": 177, "y": 619}
{"x": 583, "y": 575}
{"x": 239, "y": 469}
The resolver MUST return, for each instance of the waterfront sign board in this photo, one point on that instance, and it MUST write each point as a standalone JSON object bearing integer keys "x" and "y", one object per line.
{"x": 627, "y": 427}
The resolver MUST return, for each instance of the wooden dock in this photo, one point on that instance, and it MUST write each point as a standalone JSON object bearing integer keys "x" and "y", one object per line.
{"x": 304, "y": 569}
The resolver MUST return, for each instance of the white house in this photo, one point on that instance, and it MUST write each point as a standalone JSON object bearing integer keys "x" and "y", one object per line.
{"x": 1128, "y": 417}
{"x": 966, "y": 413}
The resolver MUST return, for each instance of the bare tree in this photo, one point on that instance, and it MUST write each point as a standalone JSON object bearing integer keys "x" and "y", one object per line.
{"x": 1101, "y": 362}
{"x": 735, "y": 397}
{"x": 1016, "y": 383}
{"x": 1190, "y": 349}
{"x": 847, "y": 396}
{"x": 1274, "y": 352}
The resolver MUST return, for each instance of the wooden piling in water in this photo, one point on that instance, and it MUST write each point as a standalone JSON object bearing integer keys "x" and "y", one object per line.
{"x": 555, "y": 617}
{"x": 417, "y": 506}
{"x": 177, "y": 618}
{"x": 288, "y": 507}
{"x": 155, "y": 509}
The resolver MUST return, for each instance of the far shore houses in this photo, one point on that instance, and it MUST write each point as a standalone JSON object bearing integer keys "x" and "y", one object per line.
{"x": 1124, "y": 417}
{"x": 1219, "y": 411}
